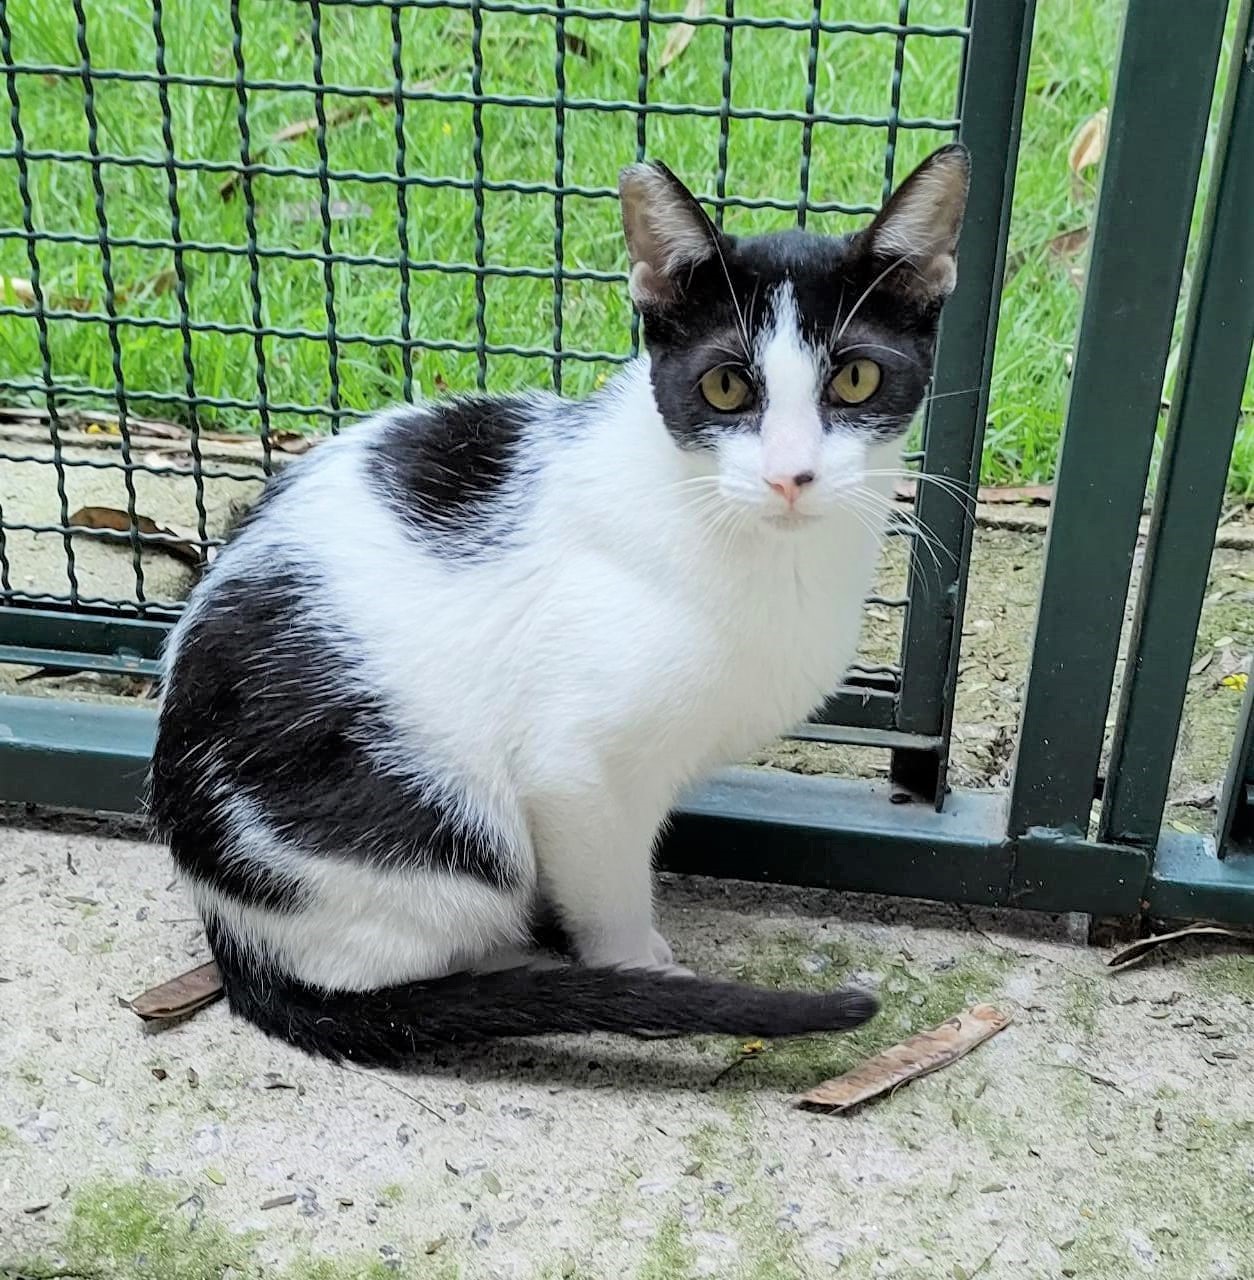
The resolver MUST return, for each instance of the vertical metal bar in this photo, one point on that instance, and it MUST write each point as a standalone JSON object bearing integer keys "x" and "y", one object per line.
{"x": 1162, "y": 100}
{"x": 37, "y": 289}
{"x": 6, "y": 584}
{"x": 1236, "y": 803}
{"x": 642, "y": 97}
{"x": 559, "y": 182}
{"x": 993, "y": 85}
{"x": 724, "y": 115}
{"x": 1201, "y": 427}
{"x": 110, "y": 293}
{"x": 481, "y": 297}
{"x": 402, "y": 205}
{"x": 180, "y": 275}
{"x": 250, "y": 231}
{"x": 894, "y": 93}
{"x": 324, "y": 209}
{"x": 807, "y": 129}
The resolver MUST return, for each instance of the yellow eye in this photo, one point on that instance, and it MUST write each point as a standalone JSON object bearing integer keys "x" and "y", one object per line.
{"x": 725, "y": 390}
{"x": 855, "y": 381}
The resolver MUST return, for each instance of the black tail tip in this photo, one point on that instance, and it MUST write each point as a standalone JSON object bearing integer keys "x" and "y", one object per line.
{"x": 858, "y": 1006}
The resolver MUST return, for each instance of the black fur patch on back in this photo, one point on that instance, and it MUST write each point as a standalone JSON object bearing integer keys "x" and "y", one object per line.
{"x": 258, "y": 706}
{"x": 444, "y": 468}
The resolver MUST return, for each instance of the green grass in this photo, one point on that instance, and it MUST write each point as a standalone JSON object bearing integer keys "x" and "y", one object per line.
{"x": 1069, "y": 80}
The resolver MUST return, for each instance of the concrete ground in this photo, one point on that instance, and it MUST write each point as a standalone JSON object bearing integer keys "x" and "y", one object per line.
{"x": 1108, "y": 1133}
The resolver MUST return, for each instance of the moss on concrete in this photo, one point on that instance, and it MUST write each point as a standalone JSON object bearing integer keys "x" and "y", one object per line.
{"x": 912, "y": 999}
{"x": 1178, "y": 1203}
{"x": 137, "y": 1230}
{"x": 669, "y": 1255}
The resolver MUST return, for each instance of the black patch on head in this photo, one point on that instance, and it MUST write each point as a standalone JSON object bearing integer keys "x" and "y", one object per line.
{"x": 728, "y": 305}
{"x": 707, "y": 299}
{"x": 257, "y": 705}
{"x": 444, "y": 468}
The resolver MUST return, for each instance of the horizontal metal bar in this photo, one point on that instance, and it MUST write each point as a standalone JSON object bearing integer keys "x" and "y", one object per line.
{"x": 69, "y": 660}
{"x": 189, "y": 472}
{"x": 385, "y": 96}
{"x": 839, "y": 833}
{"x": 75, "y": 755}
{"x": 532, "y": 8}
{"x": 169, "y": 325}
{"x": 80, "y": 633}
{"x": 37, "y": 387}
{"x": 661, "y": 18}
{"x": 165, "y": 244}
{"x": 864, "y": 706}
{"x": 152, "y": 609}
{"x": 751, "y": 824}
{"x": 849, "y": 834}
{"x": 1189, "y": 882}
{"x": 852, "y": 735}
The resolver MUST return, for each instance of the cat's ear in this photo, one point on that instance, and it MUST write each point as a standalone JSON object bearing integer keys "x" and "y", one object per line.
{"x": 667, "y": 231}
{"x": 921, "y": 221}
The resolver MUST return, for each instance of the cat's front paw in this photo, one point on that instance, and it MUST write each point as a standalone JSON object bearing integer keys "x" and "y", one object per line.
{"x": 663, "y": 956}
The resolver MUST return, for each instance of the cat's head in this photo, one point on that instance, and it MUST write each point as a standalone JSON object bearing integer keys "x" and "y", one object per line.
{"x": 791, "y": 364}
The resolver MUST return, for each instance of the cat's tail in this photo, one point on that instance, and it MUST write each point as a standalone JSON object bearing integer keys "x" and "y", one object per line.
{"x": 388, "y": 1026}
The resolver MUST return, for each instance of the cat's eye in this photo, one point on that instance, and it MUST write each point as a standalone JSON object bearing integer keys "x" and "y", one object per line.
{"x": 855, "y": 382}
{"x": 725, "y": 390}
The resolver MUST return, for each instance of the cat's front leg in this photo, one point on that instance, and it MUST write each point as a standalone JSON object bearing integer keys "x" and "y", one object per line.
{"x": 595, "y": 865}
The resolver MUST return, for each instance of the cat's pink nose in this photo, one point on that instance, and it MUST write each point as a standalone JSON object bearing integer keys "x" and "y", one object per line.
{"x": 789, "y": 487}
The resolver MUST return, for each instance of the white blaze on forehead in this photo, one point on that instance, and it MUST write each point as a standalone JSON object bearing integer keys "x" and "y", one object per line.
{"x": 792, "y": 433}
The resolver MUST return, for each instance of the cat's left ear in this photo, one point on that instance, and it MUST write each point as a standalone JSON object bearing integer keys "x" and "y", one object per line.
{"x": 667, "y": 231}
{"x": 921, "y": 221}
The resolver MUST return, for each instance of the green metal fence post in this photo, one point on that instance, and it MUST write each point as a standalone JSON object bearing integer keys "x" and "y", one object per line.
{"x": 992, "y": 113}
{"x": 1205, "y": 409}
{"x": 1236, "y": 804}
{"x": 1157, "y": 132}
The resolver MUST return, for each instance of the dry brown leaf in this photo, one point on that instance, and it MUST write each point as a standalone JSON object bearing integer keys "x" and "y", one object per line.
{"x": 580, "y": 47}
{"x": 23, "y": 291}
{"x": 180, "y": 996}
{"x": 680, "y": 36}
{"x": 299, "y": 129}
{"x": 1135, "y": 952}
{"x": 181, "y": 543}
{"x": 919, "y": 1056}
{"x": 1089, "y": 144}
{"x": 1036, "y": 495}
{"x": 1202, "y": 796}
{"x": 1068, "y": 243}
{"x": 153, "y": 287}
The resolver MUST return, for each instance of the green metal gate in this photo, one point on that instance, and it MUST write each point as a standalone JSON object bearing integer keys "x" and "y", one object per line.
{"x": 1038, "y": 845}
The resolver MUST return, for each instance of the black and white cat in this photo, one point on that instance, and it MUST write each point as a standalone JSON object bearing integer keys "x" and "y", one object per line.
{"x": 450, "y": 674}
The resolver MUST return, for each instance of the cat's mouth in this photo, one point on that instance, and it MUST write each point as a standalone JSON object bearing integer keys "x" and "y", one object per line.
{"x": 790, "y": 519}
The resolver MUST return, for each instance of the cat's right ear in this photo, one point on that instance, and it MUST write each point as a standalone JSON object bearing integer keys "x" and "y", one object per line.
{"x": 668, "y": 233}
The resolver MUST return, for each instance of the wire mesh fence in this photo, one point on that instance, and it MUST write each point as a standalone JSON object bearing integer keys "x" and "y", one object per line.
{"x": 228, "y": 228}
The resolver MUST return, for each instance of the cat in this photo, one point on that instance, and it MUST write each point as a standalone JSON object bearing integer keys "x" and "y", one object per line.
{"x": 453, "y": 669}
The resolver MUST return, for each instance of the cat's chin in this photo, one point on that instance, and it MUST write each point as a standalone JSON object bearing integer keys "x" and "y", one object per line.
{"x": 790, "y": 521}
